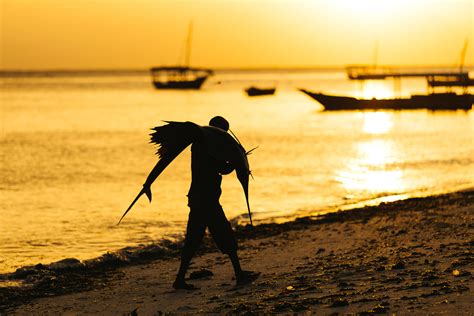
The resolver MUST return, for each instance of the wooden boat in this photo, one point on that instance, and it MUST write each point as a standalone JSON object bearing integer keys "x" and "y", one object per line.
{"x": 434, "y": 78}
{"x": 180, "y": 77}
{"x": 254, "y": 91}
{"x": 363, "y": 72}
{"x": 457, "y": 80}
{"x": 434, "y": 101}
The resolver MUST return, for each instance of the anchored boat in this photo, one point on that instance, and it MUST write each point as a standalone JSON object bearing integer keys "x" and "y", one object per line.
{"x": 254, "y": 91}
{"x": 434, "y": 101}
{"x": 180, "y": 77}
{"x": 446, "y": 100}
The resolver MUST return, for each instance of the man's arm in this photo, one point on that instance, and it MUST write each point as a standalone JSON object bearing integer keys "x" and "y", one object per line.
{"x": 154, "y": 173}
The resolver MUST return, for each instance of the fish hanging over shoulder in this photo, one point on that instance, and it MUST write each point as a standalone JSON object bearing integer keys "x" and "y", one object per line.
{"x": 174, "y": 137}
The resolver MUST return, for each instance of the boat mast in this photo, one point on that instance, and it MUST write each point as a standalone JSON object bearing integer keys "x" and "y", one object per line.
{"x": 463, "y": 55}
{"x": 188, "y": 44}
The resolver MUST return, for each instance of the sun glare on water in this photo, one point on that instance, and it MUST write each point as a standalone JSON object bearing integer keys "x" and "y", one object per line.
{"x": 377, "y": 122}
{"x": 368, "y": 170}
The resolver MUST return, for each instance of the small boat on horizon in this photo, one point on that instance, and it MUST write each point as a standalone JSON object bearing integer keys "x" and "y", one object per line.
{"x": 180, "y": 77}
{"x": 433, "y": 101}
{"x": 461, "y": 79}
{"x": 254, "y": 91}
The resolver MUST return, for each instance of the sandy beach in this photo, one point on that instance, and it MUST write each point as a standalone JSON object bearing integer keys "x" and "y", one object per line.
{"x": 407, "y": 257}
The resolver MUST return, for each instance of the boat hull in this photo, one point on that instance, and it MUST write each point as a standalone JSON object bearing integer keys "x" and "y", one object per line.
{"x": 181, "y": 85}
{"x": 253, "y": 92}
{"x": 435, "y": 101}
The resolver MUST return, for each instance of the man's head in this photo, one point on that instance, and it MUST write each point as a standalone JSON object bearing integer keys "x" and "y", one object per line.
{"x": 220, "y": 122}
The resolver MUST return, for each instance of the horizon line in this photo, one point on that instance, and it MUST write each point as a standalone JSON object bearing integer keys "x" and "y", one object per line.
{"x": 264, "y": 68}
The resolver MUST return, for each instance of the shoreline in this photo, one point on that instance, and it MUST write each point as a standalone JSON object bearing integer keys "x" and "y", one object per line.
{"x": 333, "y": 260}
{"x": 130, "y": 253}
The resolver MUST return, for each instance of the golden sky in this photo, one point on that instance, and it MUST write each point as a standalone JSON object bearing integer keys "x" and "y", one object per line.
{"x": 65, "y": 34}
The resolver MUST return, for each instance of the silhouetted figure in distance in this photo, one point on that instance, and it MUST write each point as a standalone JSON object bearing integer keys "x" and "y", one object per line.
{"x": 206, "y": 211}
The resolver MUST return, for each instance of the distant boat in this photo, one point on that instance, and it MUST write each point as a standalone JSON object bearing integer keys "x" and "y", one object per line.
{"x": 452, "y": 80}
{"x": 180, "y": 77}
{"x": 434, "y": 101}
{"x": 435, "y": 78}
{"x": 364, "y": 72}
{"x": 254, "y": 91}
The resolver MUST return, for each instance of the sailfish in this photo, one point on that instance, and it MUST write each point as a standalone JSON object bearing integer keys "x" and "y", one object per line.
{"x": 174, "y": 137}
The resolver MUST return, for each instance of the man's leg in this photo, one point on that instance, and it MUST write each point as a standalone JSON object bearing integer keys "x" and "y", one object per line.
{"x": 194, "y": 234}
{"x": 223, "y": 236}
{"x": 242, "y": 277}
{"x": 180, "y": 283}
{"x": 234, "y": 258}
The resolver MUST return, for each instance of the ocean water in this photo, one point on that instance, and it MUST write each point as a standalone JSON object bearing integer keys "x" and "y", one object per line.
{"x": 75, "y": 152}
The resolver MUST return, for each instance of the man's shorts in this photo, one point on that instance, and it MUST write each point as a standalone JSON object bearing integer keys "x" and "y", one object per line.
{"x": 203, "y": 215}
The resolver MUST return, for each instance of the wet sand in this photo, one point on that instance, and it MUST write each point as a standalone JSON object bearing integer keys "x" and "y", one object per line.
{"x": 411, "y": 256}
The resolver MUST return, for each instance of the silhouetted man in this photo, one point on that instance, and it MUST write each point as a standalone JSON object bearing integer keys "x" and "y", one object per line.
{"x": 206, "y": 211}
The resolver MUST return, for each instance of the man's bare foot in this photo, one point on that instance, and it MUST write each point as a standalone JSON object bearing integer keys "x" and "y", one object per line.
{"x": 246, "y": 277}
{"x": 182, "y": 285}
